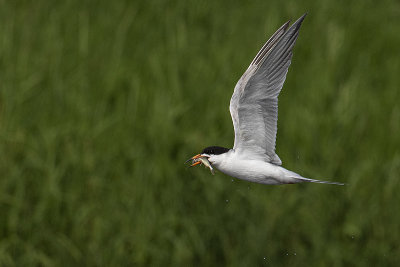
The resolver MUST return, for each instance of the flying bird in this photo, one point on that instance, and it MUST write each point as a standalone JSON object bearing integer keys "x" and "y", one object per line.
{"x": 254, "y": 111}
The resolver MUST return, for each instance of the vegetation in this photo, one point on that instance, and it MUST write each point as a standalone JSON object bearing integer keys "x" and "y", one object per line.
{"x": 101, "y": 102}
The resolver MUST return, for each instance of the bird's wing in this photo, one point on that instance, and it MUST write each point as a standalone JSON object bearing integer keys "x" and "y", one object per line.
{"x": 254, "y": 103}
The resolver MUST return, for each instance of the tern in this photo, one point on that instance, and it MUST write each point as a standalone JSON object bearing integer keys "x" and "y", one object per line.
{"x": 254, "y": 112}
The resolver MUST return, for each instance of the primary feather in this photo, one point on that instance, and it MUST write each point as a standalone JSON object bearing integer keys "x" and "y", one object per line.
{"x": 254, "y": 103}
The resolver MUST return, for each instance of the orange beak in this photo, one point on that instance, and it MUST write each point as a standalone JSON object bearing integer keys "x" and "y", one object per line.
{"x": 196, "y": 163}
{"x": 195, "y": 157}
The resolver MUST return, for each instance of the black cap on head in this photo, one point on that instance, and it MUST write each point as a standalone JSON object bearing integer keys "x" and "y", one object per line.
{"x": 214, "y": 150}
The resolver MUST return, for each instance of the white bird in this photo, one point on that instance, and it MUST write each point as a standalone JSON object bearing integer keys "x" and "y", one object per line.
{"x": 254, "y": 111}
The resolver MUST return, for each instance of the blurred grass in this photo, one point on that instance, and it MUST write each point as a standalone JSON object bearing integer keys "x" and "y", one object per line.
{"x": 99, "y": 109}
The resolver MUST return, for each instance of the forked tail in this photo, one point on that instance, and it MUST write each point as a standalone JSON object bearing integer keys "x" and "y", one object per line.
{"x": 316, "y": 181}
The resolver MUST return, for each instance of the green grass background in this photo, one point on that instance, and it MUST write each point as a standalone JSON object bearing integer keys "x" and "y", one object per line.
{"x": 101, "y": 102}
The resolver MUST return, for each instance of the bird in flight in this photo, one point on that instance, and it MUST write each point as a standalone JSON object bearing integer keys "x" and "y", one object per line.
{"x": 254, "y": 111}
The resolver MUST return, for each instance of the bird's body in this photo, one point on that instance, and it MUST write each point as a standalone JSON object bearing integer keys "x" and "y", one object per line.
{"x": 255, "y": 170}
{"x": 252, "y": 170}
{"x": 254, "y": 111}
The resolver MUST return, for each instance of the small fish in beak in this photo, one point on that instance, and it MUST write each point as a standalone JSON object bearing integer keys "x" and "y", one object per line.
{"x": 201, "y": 159}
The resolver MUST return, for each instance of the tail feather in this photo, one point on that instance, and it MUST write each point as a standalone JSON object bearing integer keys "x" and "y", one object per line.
{"x": 316, "y": 181}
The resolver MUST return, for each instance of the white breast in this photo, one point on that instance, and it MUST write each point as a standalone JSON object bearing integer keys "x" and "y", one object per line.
{"x": 252, "y": 170}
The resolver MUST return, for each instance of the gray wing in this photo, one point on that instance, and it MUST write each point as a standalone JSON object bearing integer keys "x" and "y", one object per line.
{"x": 254, "y": 103}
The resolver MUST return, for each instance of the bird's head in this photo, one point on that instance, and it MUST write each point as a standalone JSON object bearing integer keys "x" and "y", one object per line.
{"x": 208, "y": 156}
